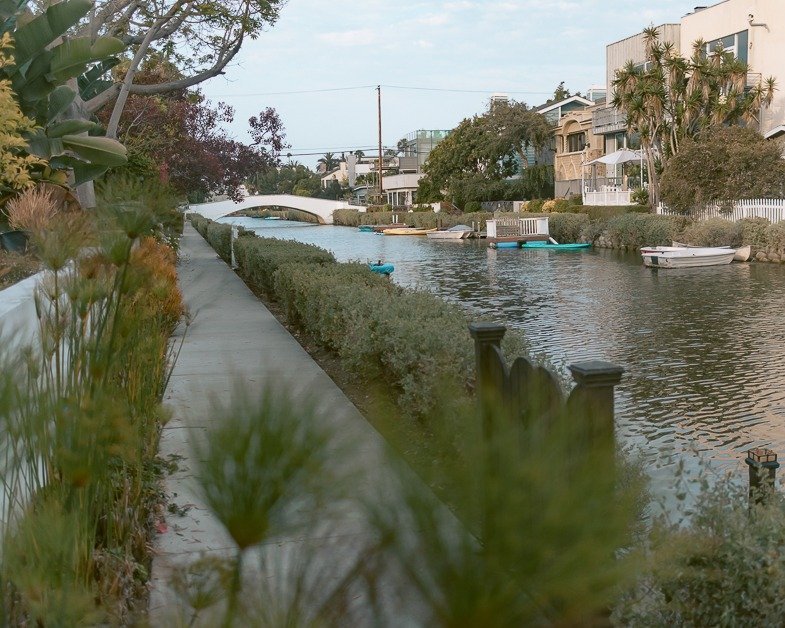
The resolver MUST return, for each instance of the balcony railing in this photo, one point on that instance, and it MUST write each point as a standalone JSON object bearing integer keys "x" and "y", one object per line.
{"x": 608, "y": 120}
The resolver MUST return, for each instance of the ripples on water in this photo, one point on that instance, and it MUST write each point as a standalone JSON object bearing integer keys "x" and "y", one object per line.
{"x": 702, "y": 348}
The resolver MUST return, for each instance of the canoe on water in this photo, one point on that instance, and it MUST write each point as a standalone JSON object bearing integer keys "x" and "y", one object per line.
{"x": 576, "y": 246}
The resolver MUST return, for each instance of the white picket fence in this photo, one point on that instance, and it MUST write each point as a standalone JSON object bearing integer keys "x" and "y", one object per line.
{"x": 773, "y": 209}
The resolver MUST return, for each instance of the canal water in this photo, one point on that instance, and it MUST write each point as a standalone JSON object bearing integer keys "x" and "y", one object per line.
{"x": 703, "y": 348}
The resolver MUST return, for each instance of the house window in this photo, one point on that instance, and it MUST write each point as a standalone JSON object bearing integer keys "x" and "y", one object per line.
{"x": 736, "y": 44}
{"x": 576, "y": 142}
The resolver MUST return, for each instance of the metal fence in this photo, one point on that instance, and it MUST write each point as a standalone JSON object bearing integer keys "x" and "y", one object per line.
{"x": 772, "y": 209}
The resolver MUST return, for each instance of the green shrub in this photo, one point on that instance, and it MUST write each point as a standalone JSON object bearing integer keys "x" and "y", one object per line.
{"x": 753, "y": 231}
{"x": 259, "y": 258}
{"x": 535, "y": 205}
{"x": 200, "y": 223}
{"x": 713, "y": 232}
{"x": 381, "y": 331}
{"x": 220, "y": 238}
{"x": 603, "y": 212}
{"x": 726, "y": 568}
{"x": 472, "y": 206}
{"x": 562, "y": 205}
{"x": 775, "y": 238}
{"x": 566, "y": 228}
{"x": 632, "y": 231}
{"x": 640, "y": 196}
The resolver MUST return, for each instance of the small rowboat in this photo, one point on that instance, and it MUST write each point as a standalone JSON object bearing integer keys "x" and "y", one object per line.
{"x": 742, "y": 254}
{"x": 365, "y": 228}
{"x": 411, "y": 231}
{"x": 686, "y": 257}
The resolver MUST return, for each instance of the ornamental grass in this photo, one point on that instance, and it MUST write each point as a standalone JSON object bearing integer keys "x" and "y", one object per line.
{"x": 80, "y": 418}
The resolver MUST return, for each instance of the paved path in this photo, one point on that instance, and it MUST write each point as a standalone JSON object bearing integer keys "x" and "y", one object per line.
{"x": 234, "y": 339}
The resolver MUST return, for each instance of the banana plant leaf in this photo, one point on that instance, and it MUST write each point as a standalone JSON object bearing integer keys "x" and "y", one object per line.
{"x": 83, "y": 171}
{"x": 43, "y": 146}
{"x": 92, "y": 82}
{"x": 72, "y": 57}
{"x": 97, "y": 150}
{"x": 59, "y": 101}
{"x": 71, "y": 127}
{"x": 33, "y": 37}
{"x": 8, "y": 13}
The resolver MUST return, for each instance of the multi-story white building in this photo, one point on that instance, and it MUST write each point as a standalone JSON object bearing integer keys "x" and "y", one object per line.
{"x": 754, "y": 30}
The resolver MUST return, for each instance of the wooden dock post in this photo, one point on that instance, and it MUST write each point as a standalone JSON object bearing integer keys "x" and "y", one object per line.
{"x": 763, "y": 467}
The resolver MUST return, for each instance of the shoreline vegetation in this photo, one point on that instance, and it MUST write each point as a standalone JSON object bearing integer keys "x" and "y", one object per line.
{"x": 610, "y": 227}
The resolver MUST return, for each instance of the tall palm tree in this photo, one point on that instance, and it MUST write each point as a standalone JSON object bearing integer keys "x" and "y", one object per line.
{"x": 671, "y": 98}
{"x": 328, "y": 162}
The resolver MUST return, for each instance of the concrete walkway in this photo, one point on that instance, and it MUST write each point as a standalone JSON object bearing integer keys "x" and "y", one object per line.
{"x": 233, "y": 339}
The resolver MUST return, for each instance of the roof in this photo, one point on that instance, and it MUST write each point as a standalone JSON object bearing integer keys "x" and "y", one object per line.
{"x": 550, "y": 107}
{"x": 777, "y": 131}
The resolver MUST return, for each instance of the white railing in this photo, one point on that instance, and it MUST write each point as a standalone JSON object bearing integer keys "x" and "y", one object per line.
{"x": 608, "y": 197}
{"x": 772, "y": 209}
{"x": 512, "y": 227}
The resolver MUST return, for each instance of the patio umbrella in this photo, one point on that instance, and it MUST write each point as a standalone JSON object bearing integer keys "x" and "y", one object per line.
{"x": 621, "y": 156}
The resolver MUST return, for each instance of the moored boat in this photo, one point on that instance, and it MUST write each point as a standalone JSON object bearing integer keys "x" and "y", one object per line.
{"x": 742, "y": 254}
{"x": 574, "y": 246}
{"x": 412, "y": 231}
{"x": 686, "y": 257}
{"x": 382, "y": 269}
{"x": 458, "y": 232}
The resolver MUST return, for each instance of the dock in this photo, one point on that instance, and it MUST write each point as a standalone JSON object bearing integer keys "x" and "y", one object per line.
{"x": 511, "y": 231}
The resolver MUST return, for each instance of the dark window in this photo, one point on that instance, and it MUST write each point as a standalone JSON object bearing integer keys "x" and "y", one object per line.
{"x": 576, "y": 142}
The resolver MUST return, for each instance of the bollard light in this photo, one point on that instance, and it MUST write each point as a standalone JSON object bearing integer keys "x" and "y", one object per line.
{"x": 761, "y": 454}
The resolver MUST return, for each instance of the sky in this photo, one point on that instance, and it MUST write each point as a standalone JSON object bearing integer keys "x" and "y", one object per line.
{"x": 523, "y": 48}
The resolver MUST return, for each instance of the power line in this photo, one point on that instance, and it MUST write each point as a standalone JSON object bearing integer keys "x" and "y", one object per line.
{"x": 399, "y": 87}
{"x": 302, "y": 91}
{"x": 462, "y": 91}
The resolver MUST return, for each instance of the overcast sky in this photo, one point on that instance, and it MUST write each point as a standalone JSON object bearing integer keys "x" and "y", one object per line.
{"x": 520, "y": 47}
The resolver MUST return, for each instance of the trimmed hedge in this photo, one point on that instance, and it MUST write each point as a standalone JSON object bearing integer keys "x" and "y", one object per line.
{"x": 412, "y": 340}
{"x": 381, "y": 331}
{"x": 259, "y": 258}
{"x": 220, "y": 238}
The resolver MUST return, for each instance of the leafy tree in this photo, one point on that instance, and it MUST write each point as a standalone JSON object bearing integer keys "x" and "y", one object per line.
{"x": 359, "y": 154}
{"x": 723, "y": 164}
{"x": 201, "y": 37}
{"x": 670, "y": 98}
{"x": 483, "y": 150}
{"x": 178, "y": 136}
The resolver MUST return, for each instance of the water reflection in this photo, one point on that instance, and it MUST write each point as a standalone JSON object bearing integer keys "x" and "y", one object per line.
{"x": 702, "y": 347}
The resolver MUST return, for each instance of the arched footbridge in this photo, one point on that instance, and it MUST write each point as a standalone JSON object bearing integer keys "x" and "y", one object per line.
{"x": 319, "y": 207}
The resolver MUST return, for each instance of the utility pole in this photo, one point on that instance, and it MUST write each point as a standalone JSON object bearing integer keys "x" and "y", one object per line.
{"x": 379, "y": 104}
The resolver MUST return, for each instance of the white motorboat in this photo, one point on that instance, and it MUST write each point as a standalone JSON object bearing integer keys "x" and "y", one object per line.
{"x": 458, "y": 232}
{"x": 686, "y": 256}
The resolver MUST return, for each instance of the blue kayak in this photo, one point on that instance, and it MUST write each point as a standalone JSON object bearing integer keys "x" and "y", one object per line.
{"x": 382, "y": 269}
{"x": 557, "y": 247}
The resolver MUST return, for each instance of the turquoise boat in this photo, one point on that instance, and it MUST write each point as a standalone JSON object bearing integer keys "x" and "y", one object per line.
{"x": 576, "y": 246}
{"x": 365, "y": 228}
{"x": 382, "y": 269}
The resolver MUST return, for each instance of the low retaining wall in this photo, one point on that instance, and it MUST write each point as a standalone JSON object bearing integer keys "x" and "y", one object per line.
{"x": 18, "y": 319}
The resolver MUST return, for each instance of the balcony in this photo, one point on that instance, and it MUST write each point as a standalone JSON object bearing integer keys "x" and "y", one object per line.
{"x": 608, "y": 120}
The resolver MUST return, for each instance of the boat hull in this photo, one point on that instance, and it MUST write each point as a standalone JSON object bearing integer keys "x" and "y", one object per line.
{"x": 408, "y": 231}
{"x": 685, "y": 257}
{"x": 448, "y": 235}
{"x": 577, "y": 246}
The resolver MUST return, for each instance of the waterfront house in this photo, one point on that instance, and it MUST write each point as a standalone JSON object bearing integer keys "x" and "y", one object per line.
{"x": 576, "y": 144}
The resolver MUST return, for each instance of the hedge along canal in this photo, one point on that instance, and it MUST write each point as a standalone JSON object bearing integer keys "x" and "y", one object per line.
{"x": 702, "y": 347}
